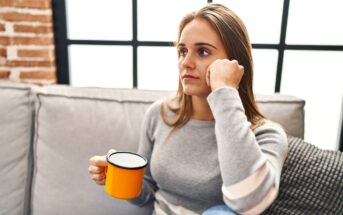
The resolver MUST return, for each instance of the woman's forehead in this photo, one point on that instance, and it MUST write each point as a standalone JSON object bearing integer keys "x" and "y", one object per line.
{"x": 199, "y": 30}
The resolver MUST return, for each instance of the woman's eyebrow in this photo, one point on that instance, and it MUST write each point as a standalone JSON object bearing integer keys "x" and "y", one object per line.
{"x": 197, "y": 44}
{"x": 205, "y": 44}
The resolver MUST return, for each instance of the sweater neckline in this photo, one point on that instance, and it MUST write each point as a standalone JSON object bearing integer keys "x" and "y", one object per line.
{"x": 201, "y": 123}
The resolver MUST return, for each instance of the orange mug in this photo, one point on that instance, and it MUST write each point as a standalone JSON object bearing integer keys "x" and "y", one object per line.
{"x": 124, "y": 174}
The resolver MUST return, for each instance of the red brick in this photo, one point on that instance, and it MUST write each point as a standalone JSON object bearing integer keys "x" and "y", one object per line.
{"x": 35, "y": 53}
{"x": 33, "y": 29}
{"x": 4, "y": 74}
{"x": 2, "y": 26}
{"x": 4, "y": 40}
{"x": 19, "y": 63}
{"x": 32, "y": 41}
{"x": 13, "y": 16}
{"x": 37, "y": 75}
{"x": 37, "y": 4}
{"x": 3, "y": 52}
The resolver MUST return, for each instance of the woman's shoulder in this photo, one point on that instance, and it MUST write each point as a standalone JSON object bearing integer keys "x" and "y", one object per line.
{"x": 153, "y": 114}
{"x": 168, "y": 104}
{"x": 154, "y": 107}
{"x": 157, "y": 104}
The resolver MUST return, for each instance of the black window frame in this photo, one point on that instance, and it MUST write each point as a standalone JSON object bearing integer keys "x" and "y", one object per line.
{"x": 62, "y": 43}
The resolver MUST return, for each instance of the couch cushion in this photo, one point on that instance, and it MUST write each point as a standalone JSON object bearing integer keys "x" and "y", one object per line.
{"x": 72, "y": 126}
{"x": 16, "y": 113}
{"x": 311, "y": 181}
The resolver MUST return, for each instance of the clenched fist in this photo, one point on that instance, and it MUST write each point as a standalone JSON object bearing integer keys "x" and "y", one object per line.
{"x": 224, "y": 73}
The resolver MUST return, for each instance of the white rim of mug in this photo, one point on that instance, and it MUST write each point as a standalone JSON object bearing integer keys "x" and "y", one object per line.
{"x": 125, "y": 167}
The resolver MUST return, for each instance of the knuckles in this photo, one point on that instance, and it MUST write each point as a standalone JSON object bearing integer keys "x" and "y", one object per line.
{"x": 226, "y": 62}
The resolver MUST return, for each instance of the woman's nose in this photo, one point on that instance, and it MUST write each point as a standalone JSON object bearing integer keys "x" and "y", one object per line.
{"x": 188, "y": 61}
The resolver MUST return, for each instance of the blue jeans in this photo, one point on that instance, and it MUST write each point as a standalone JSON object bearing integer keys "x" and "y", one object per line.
{"x": 219, "y": 210}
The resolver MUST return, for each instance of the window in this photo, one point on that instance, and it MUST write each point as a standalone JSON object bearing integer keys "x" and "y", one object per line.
{"x": 297, "y": 50}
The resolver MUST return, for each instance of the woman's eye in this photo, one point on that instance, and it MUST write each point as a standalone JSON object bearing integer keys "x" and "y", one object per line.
{"x": 203, "y": 52}
{"x": 182, "y": 52}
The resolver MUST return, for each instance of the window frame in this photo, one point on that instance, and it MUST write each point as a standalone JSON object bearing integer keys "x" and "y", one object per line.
{"x": 62, "y": 43}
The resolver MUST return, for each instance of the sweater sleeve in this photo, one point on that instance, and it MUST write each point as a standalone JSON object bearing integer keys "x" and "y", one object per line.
{"x": 250, "y": 162}
{"x": 145, "y": 148}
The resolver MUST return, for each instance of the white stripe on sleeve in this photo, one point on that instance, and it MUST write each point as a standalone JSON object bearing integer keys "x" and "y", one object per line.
{"x": 248, "y": 185}
{"x": 266, "y": 201}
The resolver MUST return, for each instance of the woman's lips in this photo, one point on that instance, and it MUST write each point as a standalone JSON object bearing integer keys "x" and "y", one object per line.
{"x": 189, "y": 77}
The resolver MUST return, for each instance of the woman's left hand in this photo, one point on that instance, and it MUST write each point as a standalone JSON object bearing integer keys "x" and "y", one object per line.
{"x": 224, "y": 73}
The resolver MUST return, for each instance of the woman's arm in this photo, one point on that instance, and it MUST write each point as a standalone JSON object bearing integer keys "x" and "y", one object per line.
{"x": 250, "y": 163}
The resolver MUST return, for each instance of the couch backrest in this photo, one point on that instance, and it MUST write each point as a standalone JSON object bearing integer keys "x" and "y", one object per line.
{"x": 16, "y": 131}
{"x": 286, "y": 110}
{"x": 73, "y": 124}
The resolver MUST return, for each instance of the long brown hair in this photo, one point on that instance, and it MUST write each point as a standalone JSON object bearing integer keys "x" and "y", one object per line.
{"x": 236, "y": 42}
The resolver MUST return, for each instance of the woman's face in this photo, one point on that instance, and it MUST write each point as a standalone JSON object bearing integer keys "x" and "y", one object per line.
{"x": 199, "y": 45}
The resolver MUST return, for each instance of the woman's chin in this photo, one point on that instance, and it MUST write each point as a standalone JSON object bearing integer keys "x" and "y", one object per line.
{"x": 195, "y": 92}
{"x": 188, "y": 90}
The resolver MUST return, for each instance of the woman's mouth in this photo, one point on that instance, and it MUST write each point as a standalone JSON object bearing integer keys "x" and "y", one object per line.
{"x": 189, "y": 77}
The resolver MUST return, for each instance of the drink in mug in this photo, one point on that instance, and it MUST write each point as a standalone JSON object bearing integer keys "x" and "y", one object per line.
{"x": 124, "y": 174}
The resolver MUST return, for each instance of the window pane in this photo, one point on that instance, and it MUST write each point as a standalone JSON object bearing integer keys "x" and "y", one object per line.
{"x": 159, "y": 20}
{"x": 265, "y": 64}
{"x": 315, "y": 22}
{"x": 262, "y": 18}
{"x": 316, "y": 76}
{"x": 99, "y": 20}
{"x": 102, "y": 66}
{"x": 157, "y": 68}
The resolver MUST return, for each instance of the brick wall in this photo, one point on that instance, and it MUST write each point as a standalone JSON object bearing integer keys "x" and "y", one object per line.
{"x": 27, "y": 42}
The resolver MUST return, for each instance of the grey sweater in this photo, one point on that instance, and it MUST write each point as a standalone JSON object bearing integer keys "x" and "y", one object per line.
{"x": 207, "y": 163}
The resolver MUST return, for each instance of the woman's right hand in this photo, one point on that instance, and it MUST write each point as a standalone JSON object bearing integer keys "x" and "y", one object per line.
{"x": 97, "y": 166}
{"x": 224, "y": 73}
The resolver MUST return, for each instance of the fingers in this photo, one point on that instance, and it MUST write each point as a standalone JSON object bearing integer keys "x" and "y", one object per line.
{"x": 96, "y": 169}
{"x": 98, "y": 161}
{"x": 102, "y": 182}
{"x": 241, "y": 68}
{"x": 235, "y": 62}
{"x": 99, "y": 178}
{"x": 97, "y": 174}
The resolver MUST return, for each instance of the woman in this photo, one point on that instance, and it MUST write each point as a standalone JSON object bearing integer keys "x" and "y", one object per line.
{"x": 209, "y": 147}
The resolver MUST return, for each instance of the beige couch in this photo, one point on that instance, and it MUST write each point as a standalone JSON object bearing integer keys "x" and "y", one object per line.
{"x": 48, "y": 134}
